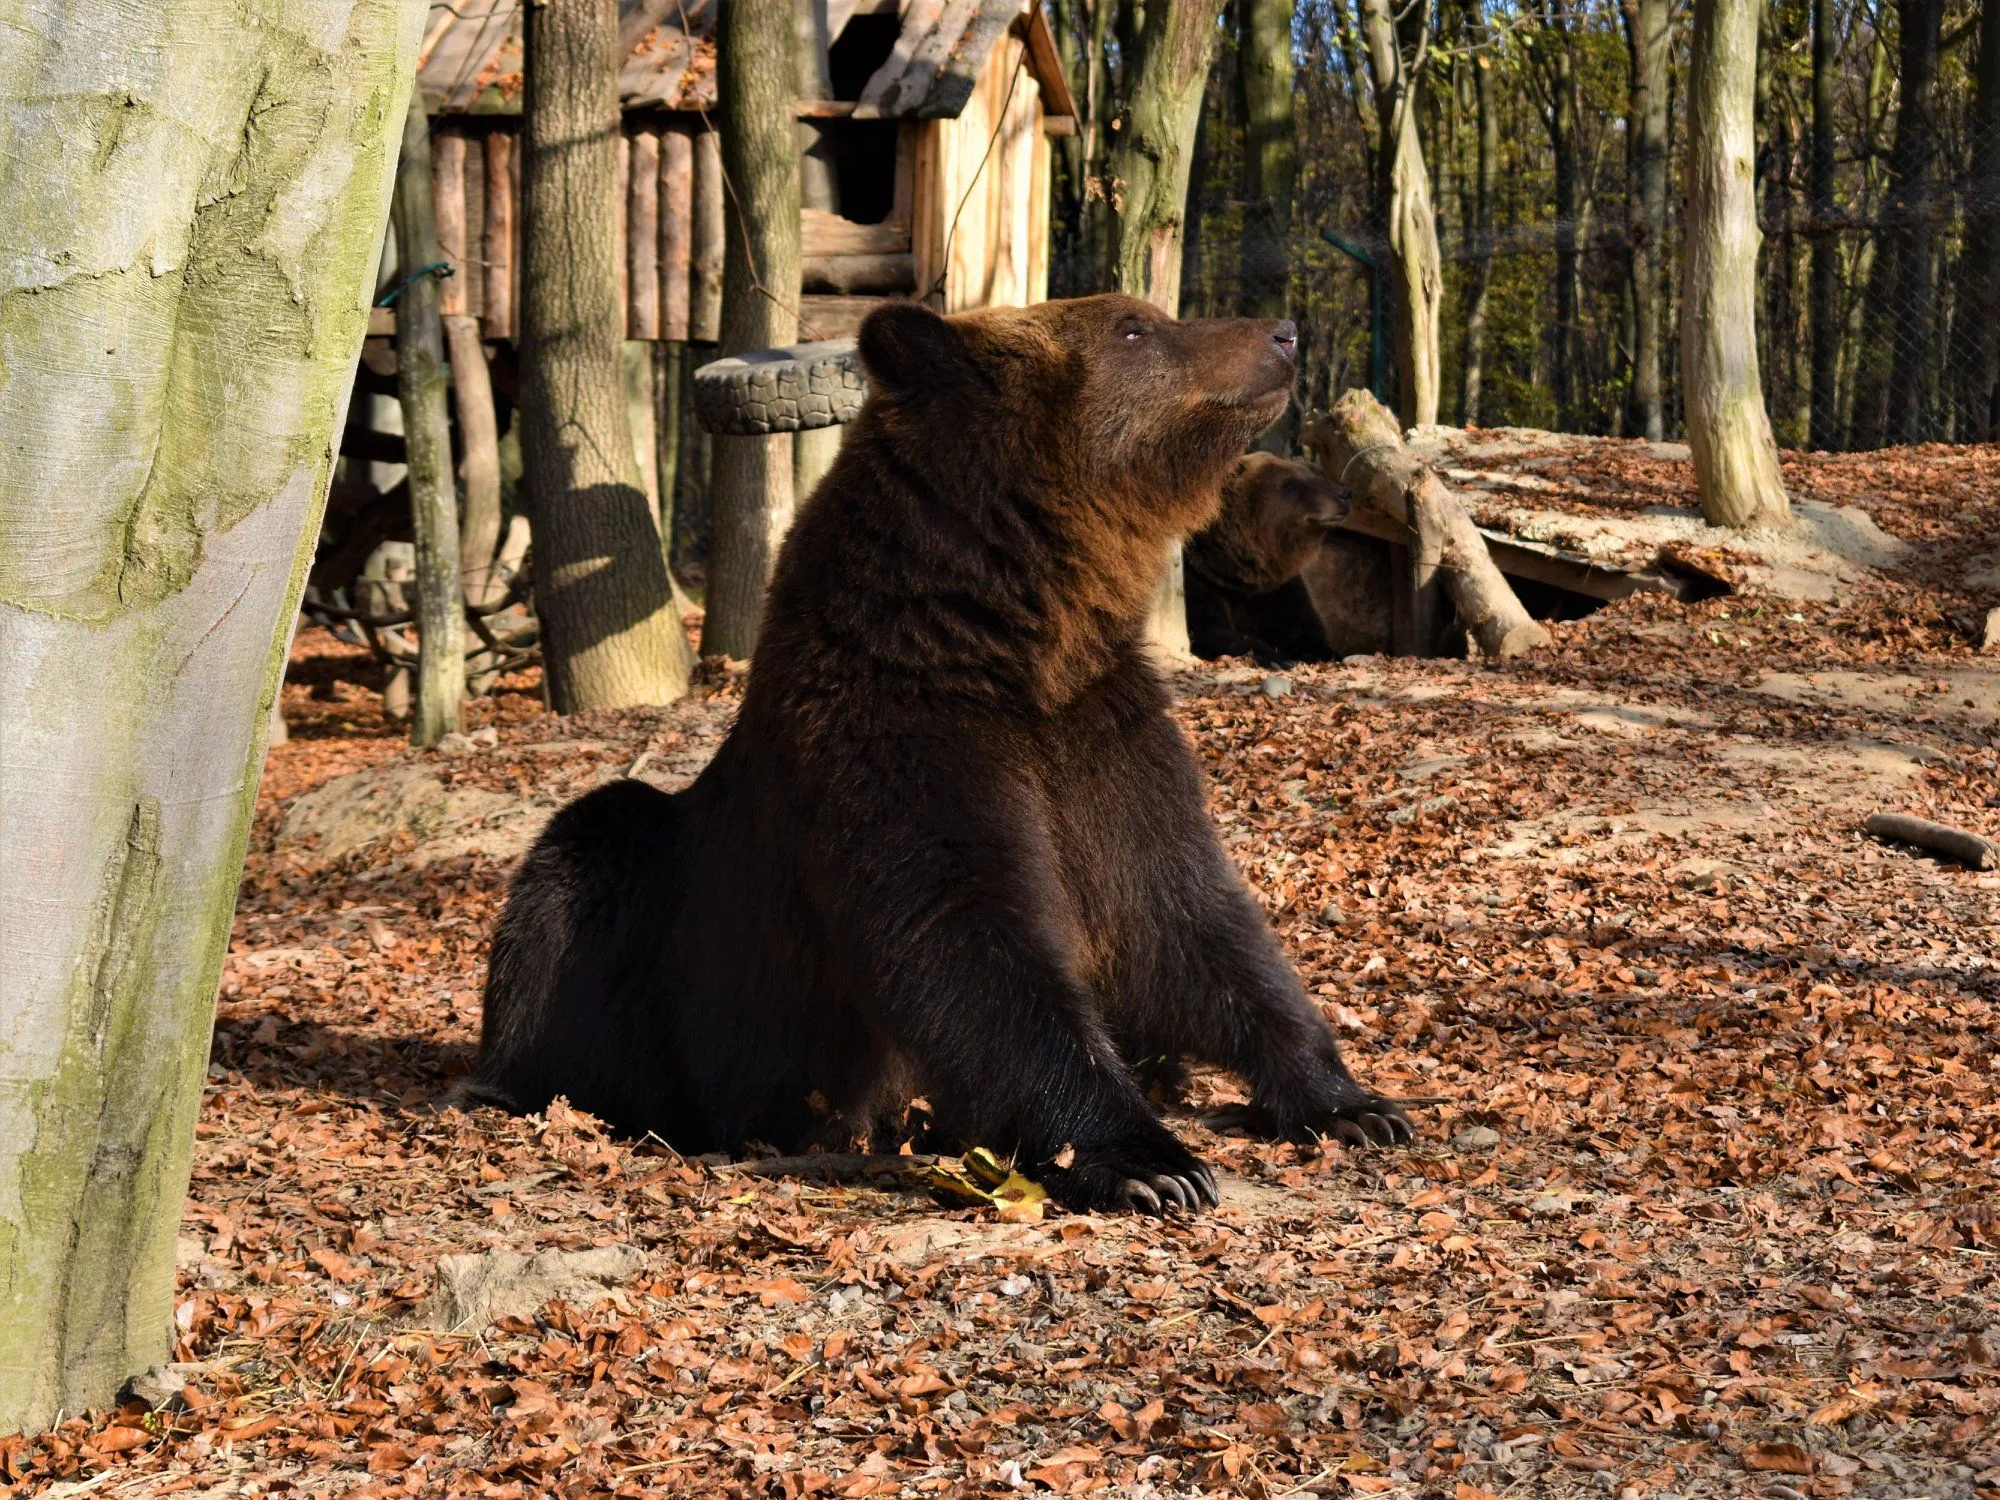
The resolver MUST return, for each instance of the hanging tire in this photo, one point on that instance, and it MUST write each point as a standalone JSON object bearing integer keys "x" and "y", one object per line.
{"x": 793, "y": 389}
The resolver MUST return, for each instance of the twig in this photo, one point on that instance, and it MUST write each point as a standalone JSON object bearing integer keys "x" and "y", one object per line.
{"x": 1955, "y": 844}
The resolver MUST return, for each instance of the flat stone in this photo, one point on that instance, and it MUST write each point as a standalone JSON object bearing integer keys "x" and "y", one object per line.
{"x": 1476, "y": 1138}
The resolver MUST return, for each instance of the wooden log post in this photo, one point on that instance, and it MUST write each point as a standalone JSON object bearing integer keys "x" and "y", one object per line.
{"x": 642, "y": 239}
{"x": 499, "y": 298}
{"x": 1359, "y": 444}
{"x": 705, "y": 274}
{"x": 479, "y": 470}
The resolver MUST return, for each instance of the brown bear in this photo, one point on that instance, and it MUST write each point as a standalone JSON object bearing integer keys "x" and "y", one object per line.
{"x": 1244, "y": 593}
{"x": 954, "y": 843}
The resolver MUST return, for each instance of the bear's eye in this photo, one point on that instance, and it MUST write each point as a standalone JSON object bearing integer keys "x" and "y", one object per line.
{"x": 1133, "y": 332}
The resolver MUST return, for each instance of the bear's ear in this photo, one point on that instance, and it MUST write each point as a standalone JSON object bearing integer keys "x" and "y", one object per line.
{"x": 909, "y": 348}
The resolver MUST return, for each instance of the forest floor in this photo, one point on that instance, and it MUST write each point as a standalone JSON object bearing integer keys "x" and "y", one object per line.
{"x": 1705, "y": 1198}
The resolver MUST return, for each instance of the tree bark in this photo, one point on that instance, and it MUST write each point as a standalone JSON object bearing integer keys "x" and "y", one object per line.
{"x": 479, "y": 472}
{"x": 1978, "y": 320}
{"x": 1912, "y": 166}
{"x": 610, "y": 635}
{"x": 1154, "y": 150}
{"x": 1479, "y": 220}
{"x": 1557, "y": 54}
{"x": 1649, "y": 46}
{"x": 421, "y": 382}
{"x": 1360, "y": 445}
{"x": 750, "y": 497}
{"x": 1267, "y": 87}
{"x": 1735, "y": 459}
{"x": 1417, "y": 267}
{"x": 1824, "y": 311}
{"x": 151, "y": 559}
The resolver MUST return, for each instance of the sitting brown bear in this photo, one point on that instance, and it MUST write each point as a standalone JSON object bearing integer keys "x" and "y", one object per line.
{"x": 1244, "y": 593}
{"x": 954, "y": 842}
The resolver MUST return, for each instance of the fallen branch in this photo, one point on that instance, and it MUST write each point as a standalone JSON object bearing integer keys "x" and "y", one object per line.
{"x": 1359, "y": 444}
{"x": 840, "y": 1166}
{"x": 1969, "y": 849}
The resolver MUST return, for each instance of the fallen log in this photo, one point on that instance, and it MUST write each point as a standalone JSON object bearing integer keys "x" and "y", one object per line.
{"x": 1360, "y": 445}
{"x": 1969, "y": 849}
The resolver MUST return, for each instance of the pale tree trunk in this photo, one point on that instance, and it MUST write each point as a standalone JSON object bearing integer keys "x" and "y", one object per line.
{"x": 611, "y": 636}
{"x": 1413, "y": 244}
{"x": 178, "y": 366}
{"x": 1270, "y": 154}
{"x": 420, "y": 387}
{"x": 479, "y": 433}
{"x": 1150, "y": 163}
{"x": 1735, "y": 459}
{"x": 1479, "y": 215}
{"x": 1649, "y": 47}
{"x": 750, "y": 490}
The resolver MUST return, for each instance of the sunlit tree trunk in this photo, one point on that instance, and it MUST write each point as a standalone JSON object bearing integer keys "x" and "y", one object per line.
{"x": 1270, "y": 154}
{"x": 421, "y": 382}
{"x": 611, "y": 636}
{"x": 1649, "y": 46}
{"x": 192, "y": 208}
{"x": 750, "y": 494}
{"x": 1416, "y": 266}
{"x": 1735, "y": 459}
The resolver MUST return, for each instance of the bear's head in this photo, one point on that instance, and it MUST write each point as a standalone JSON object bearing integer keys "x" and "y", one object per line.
{"x": 1275, "y": 513}
{"x": 1103, "y": 408}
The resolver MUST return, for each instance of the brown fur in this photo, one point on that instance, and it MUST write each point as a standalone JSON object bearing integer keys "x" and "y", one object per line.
{"x": 1243, "y": 593}
{"x": 954, "y": 843}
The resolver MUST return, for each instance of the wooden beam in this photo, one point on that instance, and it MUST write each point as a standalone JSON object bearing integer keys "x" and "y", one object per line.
{"x": 705, "y": 273}
{"x": 642, "y": 239}
{"x": 448, "y": 196}
{"x": 676, "y": 230}
{"x": 829, "y": 234}
{"x": 500, "y": 200}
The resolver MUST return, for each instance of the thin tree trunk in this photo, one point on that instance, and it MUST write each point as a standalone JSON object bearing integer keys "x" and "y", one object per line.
{"x": 1912, "y": 166}
{"x": 1558, "y": 56}
{"x": 1479, "y": 223}
{"x": 1978, "y": 322}
{"x": 1825, "y": 312}
{"x": 1416, "y": 266}
{"x": 1267, "y": 87}
{"x": 1735, "y": 460}
{"x": 421, "y": 383}
{"x": 1649, "y": 45}
{"x": 151, "y": 559}
{"x": 479, "y": 472}
{"x": 610, "y": 633}
{"x": 750, "y": 498}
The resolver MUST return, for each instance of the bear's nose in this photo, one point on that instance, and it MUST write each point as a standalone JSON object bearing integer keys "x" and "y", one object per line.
{"x": 1286, "y": 336}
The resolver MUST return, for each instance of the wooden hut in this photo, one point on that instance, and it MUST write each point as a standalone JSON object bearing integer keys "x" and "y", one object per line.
{"x": 936, "y": 127}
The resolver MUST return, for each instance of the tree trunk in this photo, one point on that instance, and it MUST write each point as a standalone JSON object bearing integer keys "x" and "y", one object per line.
{"x": 1359, "y": 444}
{"x": 1735, "y": 460}
{"x": 1270, "y": 154}
{"x": 1912, "y": 165}
{"x": 1558, "y": 56}
{"x": 151, "y": 559}
{"x": 1155, "y": 148}
{"x": 479, "y": 473}
{"x": 1825, "y": 312}
{"x": 1978, "y": 321}
{"x": 1649, "y": 45}
{"x": 1479, "y": 221}
{"x": 750, "y": 496}
{"x": 421, "y": 382}
{"x": 1417, "y": 271}
{"x": 609, "y": 631}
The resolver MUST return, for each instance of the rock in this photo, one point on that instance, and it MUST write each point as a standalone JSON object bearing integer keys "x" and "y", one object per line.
{"x": 455, "y": 743}
{"x": 1989, "y": 639}
{"x": 1476, "y": 1138}
{"x": 1276, "y": 687}
{"x": 475, "y": 1290}
{"x": 161, "y": 1385}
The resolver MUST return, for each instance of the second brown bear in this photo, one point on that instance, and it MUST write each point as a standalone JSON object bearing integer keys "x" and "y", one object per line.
{"x": 954, "y": 843}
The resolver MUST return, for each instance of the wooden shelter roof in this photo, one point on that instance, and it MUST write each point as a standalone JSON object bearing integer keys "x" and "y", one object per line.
{"x": 470, "y": 62}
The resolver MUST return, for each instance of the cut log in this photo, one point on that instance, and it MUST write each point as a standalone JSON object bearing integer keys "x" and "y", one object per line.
{"x": 1359, "y": 444}
{"x": 705, "y": 241}
{"x": 498, "y": 303}
{"x": 676, "y": 230}
{"x": 642, "y": 239}
{"x": 1969, "y": 849}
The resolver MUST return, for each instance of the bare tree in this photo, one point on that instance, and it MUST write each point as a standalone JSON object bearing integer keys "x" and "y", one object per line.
{"x": 1735, "y": 459}
{"x": 1478, "y": 212}
{"x": 1405, "y": 196}
{"x": 1978, "y": 321}
{"x": 1266, "y": 87}
{"x": 1824, "y": 310}
{"x": 189, "y": 302}
{"x": 750, "y": 497}
{"x": 421, "y": 381}
{"x": 610, "y": 632}
{"x": 1649, "y": 47}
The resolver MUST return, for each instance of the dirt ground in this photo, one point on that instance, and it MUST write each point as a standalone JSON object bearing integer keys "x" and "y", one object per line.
{"x": 1705, "y": 1199}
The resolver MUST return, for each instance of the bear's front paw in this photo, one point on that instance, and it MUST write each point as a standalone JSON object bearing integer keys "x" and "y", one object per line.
{"x": 1149, "y": 1174}
{"x": 1355, "y": 1118}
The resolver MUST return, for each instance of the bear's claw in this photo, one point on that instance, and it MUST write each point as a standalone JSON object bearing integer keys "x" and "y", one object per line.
{"x": 1147, "y": 1177}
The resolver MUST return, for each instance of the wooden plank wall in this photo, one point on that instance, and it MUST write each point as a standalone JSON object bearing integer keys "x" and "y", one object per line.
{"x": 671, "y": 201}
{"x": 999, "y": 246}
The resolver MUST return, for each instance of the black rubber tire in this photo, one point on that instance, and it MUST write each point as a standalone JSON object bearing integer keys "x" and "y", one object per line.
{"x": 793, "y": 389}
